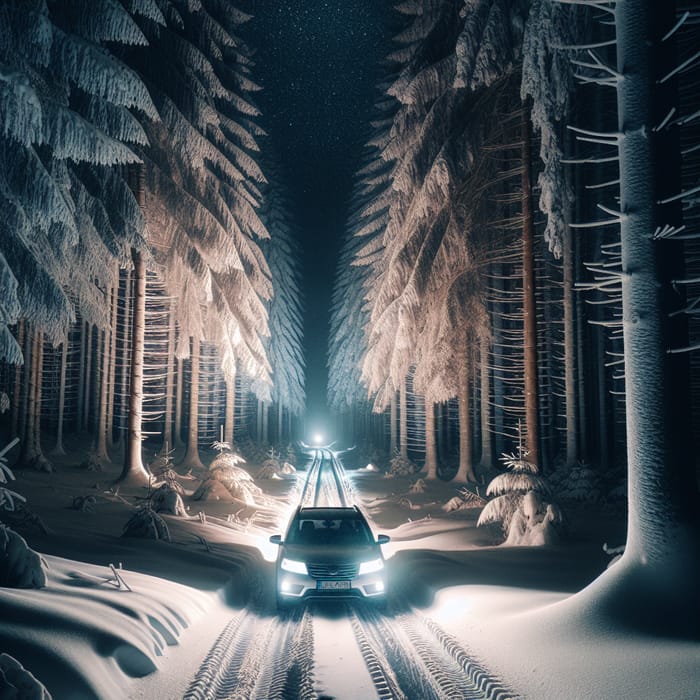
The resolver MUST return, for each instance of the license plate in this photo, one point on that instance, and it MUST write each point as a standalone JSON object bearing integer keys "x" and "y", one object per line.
{"x": 333, "y": 585}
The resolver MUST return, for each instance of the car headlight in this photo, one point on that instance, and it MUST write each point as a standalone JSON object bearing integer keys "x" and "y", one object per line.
{"x": 369, "y": 567}
{"x": 296, "y": 567}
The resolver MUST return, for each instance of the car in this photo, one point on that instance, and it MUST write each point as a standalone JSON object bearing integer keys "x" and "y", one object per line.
{"x": 329, "y": 552}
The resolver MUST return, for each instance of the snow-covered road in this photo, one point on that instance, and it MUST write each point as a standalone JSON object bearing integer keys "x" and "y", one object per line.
{"x": 340, "y": 649}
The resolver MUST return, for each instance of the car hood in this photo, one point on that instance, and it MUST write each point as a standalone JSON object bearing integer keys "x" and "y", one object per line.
{"x": 325, "y": 553}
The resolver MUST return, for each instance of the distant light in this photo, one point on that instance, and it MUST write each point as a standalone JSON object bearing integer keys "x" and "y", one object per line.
{"x": 318, "y": 439}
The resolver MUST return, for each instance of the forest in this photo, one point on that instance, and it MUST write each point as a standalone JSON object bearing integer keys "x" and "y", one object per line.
{"x": 518, "y": 274}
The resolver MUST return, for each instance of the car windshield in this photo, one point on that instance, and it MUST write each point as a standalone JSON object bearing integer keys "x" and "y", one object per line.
{"x": 336, "y": 531}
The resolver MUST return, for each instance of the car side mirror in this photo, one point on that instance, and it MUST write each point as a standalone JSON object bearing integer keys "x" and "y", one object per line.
{"x": 276, "y": 539}
{"x": 383, "y": 539}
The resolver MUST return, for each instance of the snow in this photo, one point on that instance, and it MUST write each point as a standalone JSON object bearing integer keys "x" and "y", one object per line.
{"x": 87, "y": 636}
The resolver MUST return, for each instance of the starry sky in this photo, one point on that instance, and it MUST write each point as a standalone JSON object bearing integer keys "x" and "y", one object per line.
{"x": 318, "y": 62}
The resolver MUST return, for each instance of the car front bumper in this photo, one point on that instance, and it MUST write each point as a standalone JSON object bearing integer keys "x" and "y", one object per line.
{"x": 294, "y": 586}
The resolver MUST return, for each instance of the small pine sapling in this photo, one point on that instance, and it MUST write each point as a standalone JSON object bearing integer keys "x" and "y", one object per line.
{"x": 520, "y": 502}
{"x": 20, "y": 566}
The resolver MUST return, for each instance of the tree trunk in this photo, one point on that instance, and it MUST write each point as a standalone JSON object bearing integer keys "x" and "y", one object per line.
{"x": 127, "y": 323}
{"x": 529, "y": 304}
{"x": 179, "y": 404}
{"x": 191, "y": 458}
{"x": 101, "y": 450}
{"x": 430, "y": 450}
{"x": 570, "y": 384}
{"x": 266, "y": 422}
{"x": 80, "y": 408}
{"x": 280, "y": 416}
{"x": 87, "y": 386}
{"x": 660, "y": 562}
{"x": 465, "y": 472}
{"x": 169, "y": 382}
{"x": 230, "y": 416}
{"x": 403, "y": 421}
{"x": 486, "y": 460}
{"x": 134, "y": 469}
{"x": 58, "y": 447}
{"x": 112, "y": 370}
{"x": 393, "y": 433}
{"x": 19, "y": 385}
{"x": 28, "y": 452}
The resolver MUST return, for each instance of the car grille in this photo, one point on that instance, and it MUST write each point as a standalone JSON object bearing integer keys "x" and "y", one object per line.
{"x": 332, "y": 571}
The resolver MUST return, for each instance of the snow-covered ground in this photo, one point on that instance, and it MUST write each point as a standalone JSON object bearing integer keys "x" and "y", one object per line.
{"x": 85, "y": 636}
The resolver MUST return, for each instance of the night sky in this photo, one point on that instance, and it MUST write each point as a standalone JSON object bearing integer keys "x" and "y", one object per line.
{"x": 318, "y": 62}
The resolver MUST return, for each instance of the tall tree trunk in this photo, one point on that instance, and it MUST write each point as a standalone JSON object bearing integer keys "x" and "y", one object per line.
{"x": 570, "y": 384}
{"x": 101, "y": 450}
{"x": 266, "y": 422}
{"x": 169, "y": 382}
{"x": 440, "y": 430}
{"x": 393, "y": 432}
{"x": 465, "y": 472}
{"x": 28, "y": 452}
{"x": 499, "y": 365}
{"x": 403, "y": 420}
{"x": 486, "y": 460}
{"x": 127, "y": 323}
{"x": 19, "y": 385}
{"x": 112, "y": 370}
{"x": 529, "y": 304}
{"x": 660, "y": 562}
{"x": 80, "y": 408}
{"x": 58, "y": 447}
{"x": 280, "y": 416}
{"x": 230, "y": 415}
{"x": 191, "y": 458}
{"x": 430, "y": 449}
{"x": 134, "y": 469}
{"x": 179, "y": 404}
{"x": 87, "y": 387}
{"x": 40, "y": 462}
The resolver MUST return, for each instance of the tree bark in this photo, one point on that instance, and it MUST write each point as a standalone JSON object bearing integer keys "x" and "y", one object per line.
{"x": 660, "y": 561}
{"x": 169, "y": 382}
{"x": 465, "y": 472}
{"x": 486, "y": 460}
{"x": 529, "y": 303}
{"x": 112, "y": 370}
{"x": 230, "y": 416}
{"x": 570, "y": 384}
{"x": 191, "y": 458}
{"x": 179, "y": 404}
{"x": 393, "y": 433}
{"x": 101, "y": 449}
{"x": 133, "y": 469}
{"x": 19, "y": 385}
{"x": 87, "y": 386}
{"x": 403, "y": 420}
{"x": 430, "y": 448}
{"x": 58, "y": 447}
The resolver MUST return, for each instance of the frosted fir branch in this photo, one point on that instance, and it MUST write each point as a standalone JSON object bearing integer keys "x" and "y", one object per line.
{"x": 598, "y": 64}
{"x": 680, "y": 67}
{"x": 593, "y": 224}
{"x": 676, "y": 26}
{"x": 595, "y": 161}
{"x": 589, "y": 80}
{"x": 602, "y": 185}
{"x": 681, "y": 195}
{"x": 688, "y": 348}
{"x": 585, "y": 47}
{"x": 595, "y": 4}
{"x": 665, "y": 120}
{"x": 682, "y": 121}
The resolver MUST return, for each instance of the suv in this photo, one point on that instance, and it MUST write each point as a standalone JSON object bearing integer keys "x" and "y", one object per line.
{"x": 328, "y": 553}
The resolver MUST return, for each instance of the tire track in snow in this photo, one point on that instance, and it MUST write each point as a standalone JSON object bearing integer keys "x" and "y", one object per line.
{"x": 427, "y": 662}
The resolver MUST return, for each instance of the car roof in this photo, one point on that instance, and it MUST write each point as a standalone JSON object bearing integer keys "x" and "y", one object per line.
{"x": 329, "y": 513}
